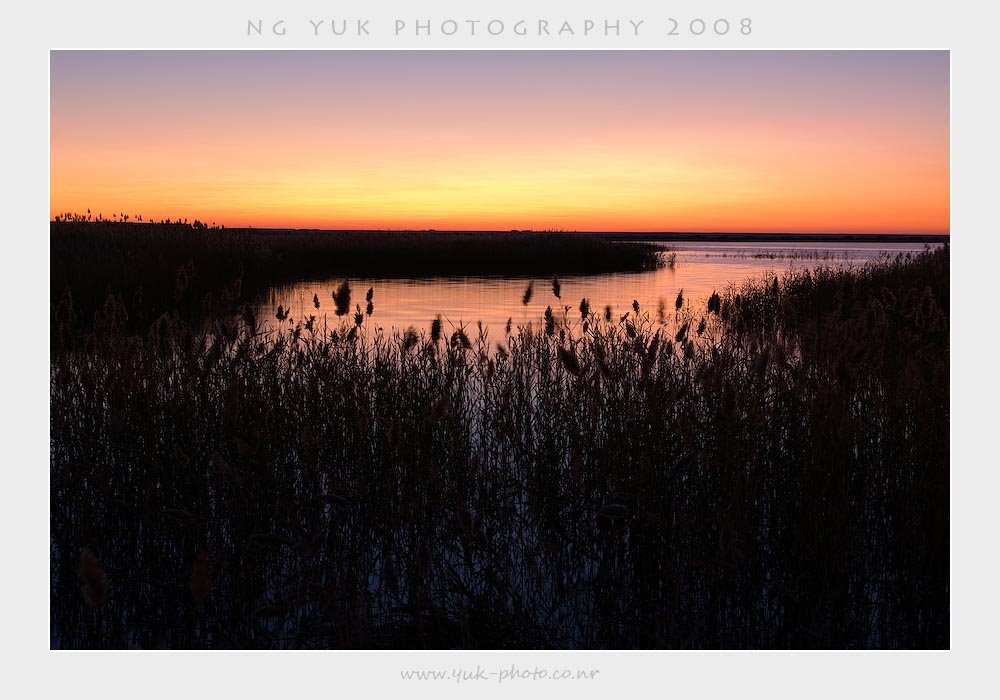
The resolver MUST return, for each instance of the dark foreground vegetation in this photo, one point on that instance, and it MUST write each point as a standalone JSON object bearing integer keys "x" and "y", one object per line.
{"x": 769, "y": 470}
{"x": 194, "y": 270}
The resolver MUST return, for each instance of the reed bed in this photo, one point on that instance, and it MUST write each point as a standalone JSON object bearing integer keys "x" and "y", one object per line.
{"x": 197, "y": 271}
{"x": 765, "y": 470}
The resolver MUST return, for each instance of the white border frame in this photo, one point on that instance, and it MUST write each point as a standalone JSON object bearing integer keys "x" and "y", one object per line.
{"x": 964, "y": 26}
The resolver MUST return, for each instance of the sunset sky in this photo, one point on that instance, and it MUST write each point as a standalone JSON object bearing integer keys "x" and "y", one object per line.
{"x": 600, "y": 140}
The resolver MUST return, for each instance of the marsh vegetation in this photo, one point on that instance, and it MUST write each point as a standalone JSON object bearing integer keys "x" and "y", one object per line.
{"x": 764, "y": 469}
{"x": 194, "y": 271}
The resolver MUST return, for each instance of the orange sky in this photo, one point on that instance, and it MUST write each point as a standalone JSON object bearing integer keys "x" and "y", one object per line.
{"x": 643, "y": 141}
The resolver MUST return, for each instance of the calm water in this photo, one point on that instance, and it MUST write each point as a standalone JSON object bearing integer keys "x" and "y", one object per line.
{"x": 700, "y": 268}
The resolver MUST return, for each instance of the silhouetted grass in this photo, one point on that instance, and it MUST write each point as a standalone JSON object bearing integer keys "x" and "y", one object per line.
{"x": 772, "y": 472}
{"x": 159, "y": 267}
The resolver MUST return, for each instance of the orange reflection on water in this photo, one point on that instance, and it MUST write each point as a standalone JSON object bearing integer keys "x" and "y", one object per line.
{"x": 699, "y": 270}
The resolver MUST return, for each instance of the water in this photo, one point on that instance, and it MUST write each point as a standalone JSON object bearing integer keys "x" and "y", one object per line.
{"x": 699, "y": 269}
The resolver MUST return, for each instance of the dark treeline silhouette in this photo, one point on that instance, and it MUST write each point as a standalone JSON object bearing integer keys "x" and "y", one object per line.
{"x": 160, "y": 267}
{"x": 767, "y": 470}
{"x": 772, "y": 237}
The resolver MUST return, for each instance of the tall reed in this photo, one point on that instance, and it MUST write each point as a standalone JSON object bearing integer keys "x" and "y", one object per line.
{"x": 768, "y": 470}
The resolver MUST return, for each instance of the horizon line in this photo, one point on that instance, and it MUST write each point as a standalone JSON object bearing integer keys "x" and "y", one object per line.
{"x": 629, "y": 232}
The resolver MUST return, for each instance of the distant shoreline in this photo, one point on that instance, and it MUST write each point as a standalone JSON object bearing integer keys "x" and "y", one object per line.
{"x": 781, "y": 237}
{"x": 675, "y": 236}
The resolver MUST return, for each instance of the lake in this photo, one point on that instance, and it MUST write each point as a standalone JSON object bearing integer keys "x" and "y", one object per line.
{"x": 698, "y": 269}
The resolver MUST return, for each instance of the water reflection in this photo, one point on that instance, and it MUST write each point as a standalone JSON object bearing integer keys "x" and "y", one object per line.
{"x": 698, "y": 269}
